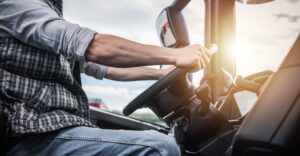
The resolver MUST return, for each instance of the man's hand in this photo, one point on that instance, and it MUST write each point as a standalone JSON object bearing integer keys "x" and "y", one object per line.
{"x": 193, "y": 56}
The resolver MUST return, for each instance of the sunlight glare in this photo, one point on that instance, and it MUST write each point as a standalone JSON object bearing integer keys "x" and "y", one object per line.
{"x": 245, "y": 58}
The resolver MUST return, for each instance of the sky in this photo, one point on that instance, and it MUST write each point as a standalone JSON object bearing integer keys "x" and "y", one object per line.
{"x": 264, "y": 35}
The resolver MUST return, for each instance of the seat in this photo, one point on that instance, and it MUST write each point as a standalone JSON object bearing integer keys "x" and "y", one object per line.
{"x": 272, "y": 127}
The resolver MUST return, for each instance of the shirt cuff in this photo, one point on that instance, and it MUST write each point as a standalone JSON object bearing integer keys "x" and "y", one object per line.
{"x": 95, "y": 70}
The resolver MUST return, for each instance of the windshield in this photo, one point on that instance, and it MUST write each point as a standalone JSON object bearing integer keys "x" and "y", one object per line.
{"x": 134, "y": 20}
{"x": 265, "y": 33}
{"x": 264, "y": 36}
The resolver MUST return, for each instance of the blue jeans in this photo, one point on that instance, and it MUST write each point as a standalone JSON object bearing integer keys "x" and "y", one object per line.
{"x": 86, "y": 141}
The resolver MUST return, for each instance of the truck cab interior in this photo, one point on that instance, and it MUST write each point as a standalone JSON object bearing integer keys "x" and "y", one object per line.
{"x": 205, "y": 120}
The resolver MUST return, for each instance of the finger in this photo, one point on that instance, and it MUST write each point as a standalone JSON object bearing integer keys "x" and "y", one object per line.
{"x": 200, "y": 65}
{"x": 194, "y": 68}
{"x": 203, "y": 65}
{"x": 197, "y": 66}
{"x": 206, "y": 59}
{"x": 212, "y": 48}
{"x": 202, "y": 62}
{"x": 207, "y": 52}
{"x": 169, "y": 69}
{"x": 204, "y": 52}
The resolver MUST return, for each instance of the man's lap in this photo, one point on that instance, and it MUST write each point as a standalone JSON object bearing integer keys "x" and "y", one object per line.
{"x": 94, "y": 141}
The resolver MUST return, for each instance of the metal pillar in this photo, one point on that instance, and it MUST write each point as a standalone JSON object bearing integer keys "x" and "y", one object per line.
{"x": 220, "y": 29}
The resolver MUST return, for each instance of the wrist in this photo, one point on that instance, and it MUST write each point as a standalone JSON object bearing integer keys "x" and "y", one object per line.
{"x": 160, "y": 74}
{"x": 173, "y": 53}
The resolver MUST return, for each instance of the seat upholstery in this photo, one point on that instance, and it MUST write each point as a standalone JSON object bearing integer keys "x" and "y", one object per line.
{"x": 272, "y": 127}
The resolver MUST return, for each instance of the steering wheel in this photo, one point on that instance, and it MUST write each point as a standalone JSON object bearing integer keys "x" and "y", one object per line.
{"x": 145, "y": 97}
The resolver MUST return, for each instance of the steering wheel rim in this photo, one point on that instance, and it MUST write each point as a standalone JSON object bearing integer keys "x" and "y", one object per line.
{"x": 153, "y": 90}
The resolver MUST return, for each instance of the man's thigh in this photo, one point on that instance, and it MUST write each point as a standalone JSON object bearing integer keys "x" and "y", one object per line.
{"x": 93, "y": 141}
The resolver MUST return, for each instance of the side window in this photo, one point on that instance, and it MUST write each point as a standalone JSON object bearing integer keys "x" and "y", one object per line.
{"x": 264, "y": 35}
{"x": 134, "y": 21}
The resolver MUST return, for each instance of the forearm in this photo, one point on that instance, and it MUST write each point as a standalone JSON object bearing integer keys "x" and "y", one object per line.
{"x": 118, "y": 52}
{"x": 35, "y": 23}
{"x": 134, "y": 73}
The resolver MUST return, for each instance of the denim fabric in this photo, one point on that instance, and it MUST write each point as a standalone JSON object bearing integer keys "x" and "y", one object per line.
{"x": 86, "y": 141}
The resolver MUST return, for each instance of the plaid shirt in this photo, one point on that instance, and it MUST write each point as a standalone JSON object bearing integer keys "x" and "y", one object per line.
{"x": 38, "y": 90}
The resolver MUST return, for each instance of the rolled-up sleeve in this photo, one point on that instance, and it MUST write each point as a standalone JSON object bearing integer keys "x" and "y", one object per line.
{"x": 35, "y": 23}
